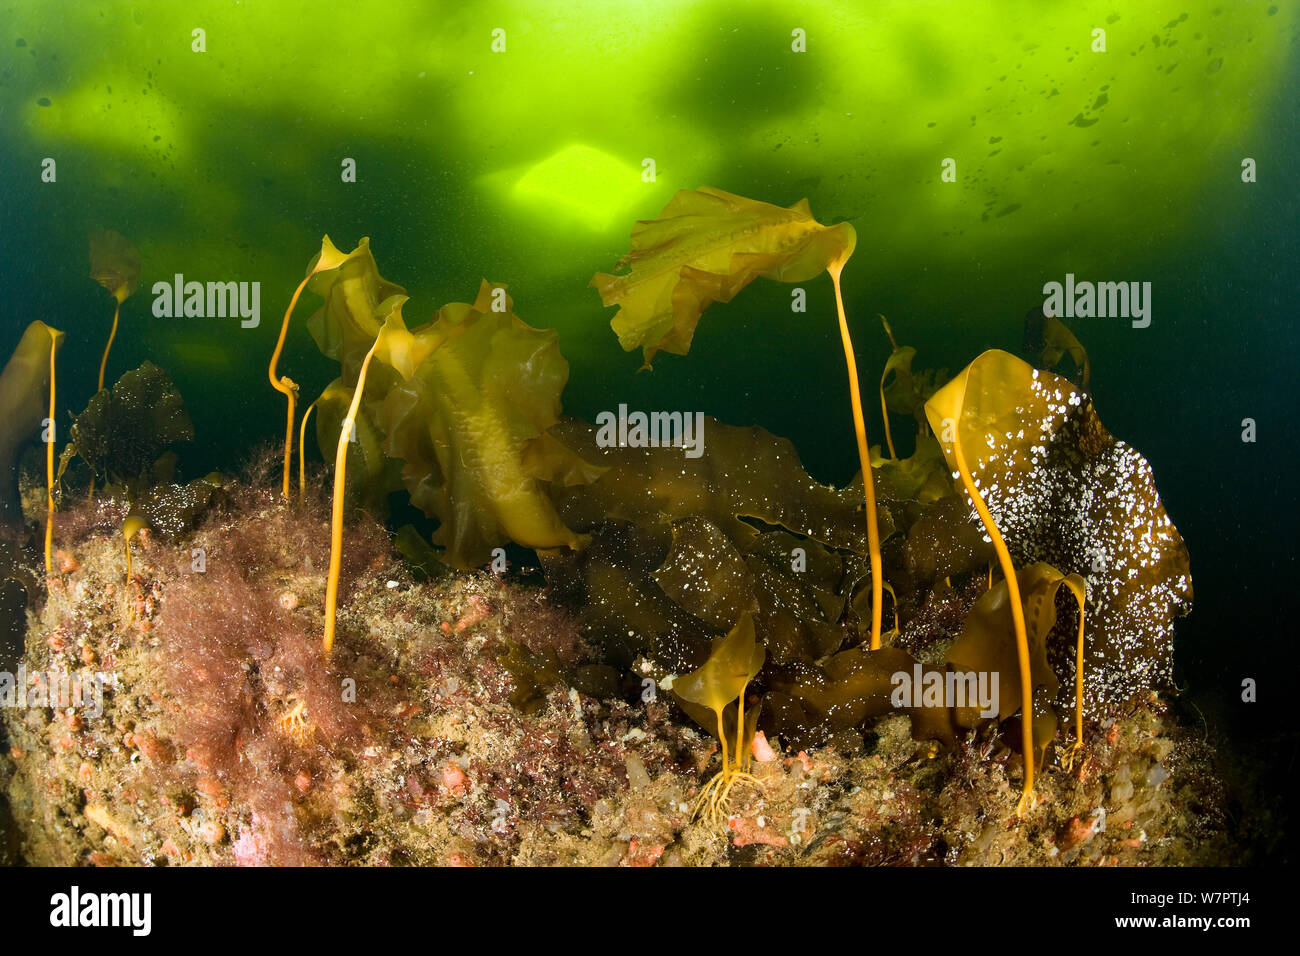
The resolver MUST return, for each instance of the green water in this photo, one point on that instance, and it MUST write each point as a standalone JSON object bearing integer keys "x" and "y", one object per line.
{"x": 526, "y": 165}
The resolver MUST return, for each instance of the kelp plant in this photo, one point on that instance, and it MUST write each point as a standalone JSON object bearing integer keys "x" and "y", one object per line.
{"x": 736, "y": 659}
{"x": 23, "y": 395}
{"x": 114, "y": 264}
{"x": 705, "y": 247}
{"x": 457, "y": 411}
{"x": 22, "y": 388}
{"x": 1051, "y": 485}
{"x": 735, "y": 568}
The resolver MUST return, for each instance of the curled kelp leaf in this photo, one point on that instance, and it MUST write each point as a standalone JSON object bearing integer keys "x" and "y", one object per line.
{"x": 1062, "y": 490}
{"x": 793, "y": 588}
{"x": 922, "y": 477}
{"x": 705, "y": 247}
{"x": 943, "y": 541}
{"x": 624, "y": 611}
{"x": 467, "y": 413}
{"x": 124, "y": 430}
{"x": 114, "y": 264}
{"x": 637, "y": 593}
{"x": 346, "y": 324}
{"x": 809, "y": 702}
{"x": 904, "y": 391}
{"x": 424, "y": 561}
{"x": 987, "y": 644}
{"x": 1050, "y": 340}
{"x": 712, "y": 693}
{"x": 802, "y": 590}
{"x": 683, "y": 545}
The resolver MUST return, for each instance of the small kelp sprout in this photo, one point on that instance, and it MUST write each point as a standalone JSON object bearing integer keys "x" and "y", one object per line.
{"x": 736, "y": 659}
{"x": 302, "y": 450}
{"x": 327, "y": 259}
{"x": 705, "y": 247}
{"x": 131, "y": 527}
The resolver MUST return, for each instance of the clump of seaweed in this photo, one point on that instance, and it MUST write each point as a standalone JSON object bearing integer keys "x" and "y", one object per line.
{"x": 662, "y": 556}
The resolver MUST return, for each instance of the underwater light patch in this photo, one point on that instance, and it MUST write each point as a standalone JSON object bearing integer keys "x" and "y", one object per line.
{"x": 585, "y": 183}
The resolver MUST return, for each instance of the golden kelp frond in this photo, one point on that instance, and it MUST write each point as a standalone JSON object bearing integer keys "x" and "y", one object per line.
{"x": 922, "y": 477}
{"x": 987, "y": 643}
{"x": 114, "y": 264}
{"x": 943, "y": 541}
{"x": 808, "y": 704}
{"x": 484, "y": 389}
{"x": 345, "y": 326}
{"x": 735, "y": 660}
{"x": 706, "y": 575}
{"x": 741, "y": 527}
{"x": 1051, "y": 340}
{"x": 803, "y": 590}
{"x": 624, "y": 611}
{"x": 1064, "y": 491}
{"x": 705, "y": 247}
{"x": 328, "y": 260}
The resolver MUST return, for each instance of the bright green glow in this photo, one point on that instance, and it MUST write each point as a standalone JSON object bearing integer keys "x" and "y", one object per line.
{"x": 711, "y": 91}
{"x": 583, "y": 183}
{"x": 86, "y": 114}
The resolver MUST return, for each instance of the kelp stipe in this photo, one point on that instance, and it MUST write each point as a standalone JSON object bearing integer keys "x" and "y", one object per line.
{"x": 56, "y": 339}
{"x": 336, "y": 513}
{"x": 302, "y": 450}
